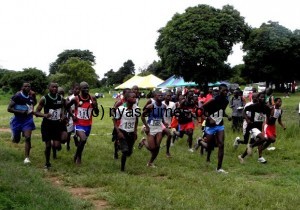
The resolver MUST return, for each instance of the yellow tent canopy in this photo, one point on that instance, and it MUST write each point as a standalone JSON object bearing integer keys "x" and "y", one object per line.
{"x": 149, "y": 81}
{"x": 129, "y": 83}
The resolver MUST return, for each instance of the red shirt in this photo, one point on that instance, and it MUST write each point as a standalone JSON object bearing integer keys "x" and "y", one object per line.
{"x": 83, "y": 111}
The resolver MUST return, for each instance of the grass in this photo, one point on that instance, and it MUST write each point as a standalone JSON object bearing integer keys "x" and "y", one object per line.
{"x": 182, "y": 182}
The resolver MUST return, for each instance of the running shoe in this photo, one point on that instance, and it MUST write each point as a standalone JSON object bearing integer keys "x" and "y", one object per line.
{"x": 241, "y": 159}
{"x": 271, "y": 148}
{"x": 27, "y": 161}
{"x": 151, "y": 165}
{"x": 249, "y": 149}
{"x": 190, "y": 150}
{"x": 142, "y": 143}
{"x": 47, "y": 166}
{"x": 236, "y": 142}
{"x": 262, "y": 160}
{"x": 168, "y": 155}
{"x": 221, "y": 171}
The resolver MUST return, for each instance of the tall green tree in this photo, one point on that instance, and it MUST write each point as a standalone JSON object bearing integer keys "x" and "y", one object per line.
{"x": 269, "y": 52}
{"x": 75, "y": 70}
{"x": 127, "y": 68}
{"x": 196, "y": 44}
{"x": 62, "y": 58}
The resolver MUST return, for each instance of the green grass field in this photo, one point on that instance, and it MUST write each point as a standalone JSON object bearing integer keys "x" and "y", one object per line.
{"x": 184, "y": 181}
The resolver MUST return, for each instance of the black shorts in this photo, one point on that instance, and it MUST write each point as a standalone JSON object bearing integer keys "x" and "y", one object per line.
{"x": 127, "y": 143}
{"x": 51, "y": 130}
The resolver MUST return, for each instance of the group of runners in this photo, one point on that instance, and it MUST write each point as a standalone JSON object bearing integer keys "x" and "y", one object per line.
{"x": 165, "y": 114}
{"x": 60, "y": 116}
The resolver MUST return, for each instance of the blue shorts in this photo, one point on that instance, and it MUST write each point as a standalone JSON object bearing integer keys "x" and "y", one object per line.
{"x": 19, "y": 125}
{"x": 86, "y": 129}
{"x": 214, "y": 130}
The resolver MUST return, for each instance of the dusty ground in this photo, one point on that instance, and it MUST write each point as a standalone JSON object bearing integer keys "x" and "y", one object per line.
{"x": 81, "y": 192}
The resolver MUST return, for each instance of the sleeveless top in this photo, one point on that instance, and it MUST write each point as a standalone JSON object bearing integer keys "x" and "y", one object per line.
{"x": 156, "y": 115}
{"x": 83, "y": 111}
{"x": 127, "y": 117}
{"x": 53, "y": 106}
{"x": 274, "y": 115}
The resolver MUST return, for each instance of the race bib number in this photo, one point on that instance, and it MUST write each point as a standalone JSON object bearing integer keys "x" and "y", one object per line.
{"x": 155, "y": 122}
{"x": 217, "y": 116}
{"x": 277, "y": 113}
{"x": 129, "y": 125}
{"x": 84, "y": 113}
{"x": 259, "y": 117}
{"x": 55, "y": 114}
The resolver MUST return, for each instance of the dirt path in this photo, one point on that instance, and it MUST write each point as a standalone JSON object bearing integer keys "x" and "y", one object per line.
{"x": 81, "y": 192}
{"x": 4, "y": 129}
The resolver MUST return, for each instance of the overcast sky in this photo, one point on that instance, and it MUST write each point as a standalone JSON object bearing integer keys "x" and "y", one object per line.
{"x": 34, "y": 32}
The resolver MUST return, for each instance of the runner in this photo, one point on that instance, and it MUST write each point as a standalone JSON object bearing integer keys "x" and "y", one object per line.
{"x": 255, "y": 122}
{"x": 52, "y": 127}
{"x": 21, "y": 104}
{"x": 135, "y": 90}
{"x": 125, "y": 123}
{"x": 70, "y": 125}
{"x": 185, "y": 119}
{"x": 85, "y": 108}
{"x": 153, "y": 126}
{"x": 246, "y": 128}
{"x": 237, "y": 106}
{"x": 214, "y": 111}
{"x": 270, "y": 127}
{"x": 114, "y": 139}
{"x": 170, "y": 108}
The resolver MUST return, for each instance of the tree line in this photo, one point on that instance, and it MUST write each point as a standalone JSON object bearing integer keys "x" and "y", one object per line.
{"x": 194, "y": 45}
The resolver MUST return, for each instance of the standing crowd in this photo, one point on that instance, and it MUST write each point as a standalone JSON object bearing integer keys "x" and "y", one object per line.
{"x": 170, "y": 114}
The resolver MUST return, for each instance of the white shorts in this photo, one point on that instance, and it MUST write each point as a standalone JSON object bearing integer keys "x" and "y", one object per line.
{"x": 254, "y": 132}
{"x": 155, "y": 129}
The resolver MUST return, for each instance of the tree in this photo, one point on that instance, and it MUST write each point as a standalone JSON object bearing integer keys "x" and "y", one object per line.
{"x": 236, "y": 75}
{"x": 127, "y": 68}
{"x": 269, "y": 52}
{"x": 156, "y": 68}
{"x": 75, "y": 70}
{"x": 85, "y": 55}
{"x": 35, "y": 77}
{"x": 124, "y": 72}
{"x": 196, "y": 44}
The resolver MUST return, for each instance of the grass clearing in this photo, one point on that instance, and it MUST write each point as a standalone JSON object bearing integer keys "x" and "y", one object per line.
{"x": 184, "y": 181}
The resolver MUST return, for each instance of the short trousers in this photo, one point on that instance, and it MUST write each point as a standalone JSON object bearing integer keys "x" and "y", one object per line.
{"x": 270, "y": 131}
{"x": 155, "y": 130}
{"x": 254, "y": 132}
{"x": 187, "y": 126}
{"x": 51, "y": 129}
{"x": 213, "y": 130}
{"x": 86, "y": 129}
{"x": 127, "y": 143}
{"x": 19, "y": 125}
